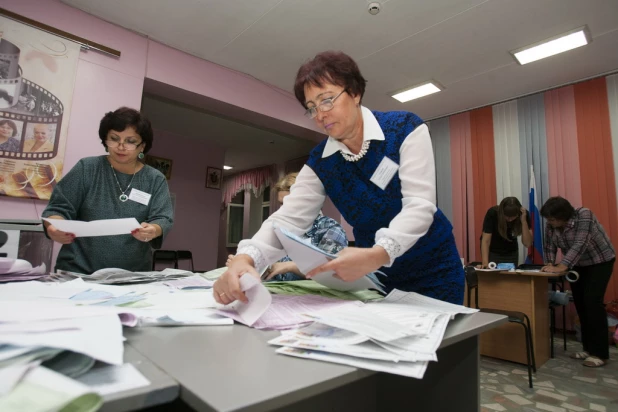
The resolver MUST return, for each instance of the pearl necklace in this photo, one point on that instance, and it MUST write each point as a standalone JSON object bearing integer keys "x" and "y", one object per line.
{"x": 123, "y": 197}
{"x": 357, "y": 157}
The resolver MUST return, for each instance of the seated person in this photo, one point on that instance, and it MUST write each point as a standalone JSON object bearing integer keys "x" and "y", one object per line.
{"x": 101, "y": 187}
{"x": 325, "y": 233}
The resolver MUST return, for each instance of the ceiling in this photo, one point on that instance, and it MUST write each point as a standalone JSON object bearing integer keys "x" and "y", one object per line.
{"x": 462, "y": 44}
{"x": 246, "y": 147}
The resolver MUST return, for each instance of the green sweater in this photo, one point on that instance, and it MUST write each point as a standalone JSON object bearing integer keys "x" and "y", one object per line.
{"x": 90, "y": 192}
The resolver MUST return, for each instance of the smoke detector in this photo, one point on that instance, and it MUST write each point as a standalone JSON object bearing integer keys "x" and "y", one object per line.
{"x": 374, "y": 8}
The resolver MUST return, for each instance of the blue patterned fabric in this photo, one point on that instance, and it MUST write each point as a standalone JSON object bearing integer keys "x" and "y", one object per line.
{"x": 432, "y": 266}
{"x": 326, "y": 234}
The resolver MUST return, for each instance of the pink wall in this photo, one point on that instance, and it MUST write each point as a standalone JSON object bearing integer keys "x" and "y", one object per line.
{"x": 105, "y": 83}
{"x": 196, "y": 219}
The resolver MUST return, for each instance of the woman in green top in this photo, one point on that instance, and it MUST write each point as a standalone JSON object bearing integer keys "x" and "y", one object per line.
{"x": 105, "y": 187}
{"x": 501, "y": 227}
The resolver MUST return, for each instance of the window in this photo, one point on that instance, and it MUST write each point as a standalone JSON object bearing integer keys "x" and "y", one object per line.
{"x": 235, "y": 217}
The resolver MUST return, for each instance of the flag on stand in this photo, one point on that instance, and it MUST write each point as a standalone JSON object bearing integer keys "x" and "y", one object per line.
{"x": 535, "y": 252}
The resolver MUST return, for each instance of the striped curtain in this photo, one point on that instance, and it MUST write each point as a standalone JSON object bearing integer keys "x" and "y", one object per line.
{"x": 568, "y": 135}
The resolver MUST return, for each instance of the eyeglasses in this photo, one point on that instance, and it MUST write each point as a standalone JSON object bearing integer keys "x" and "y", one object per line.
{"x": 325, "y": 106}
{"x": 130, "y": 146}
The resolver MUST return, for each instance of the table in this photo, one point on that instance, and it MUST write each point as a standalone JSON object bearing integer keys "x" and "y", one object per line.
{"x": 232, "y": 368}
{"x": 523, "y": 291}
{"x": 162, "y": 389}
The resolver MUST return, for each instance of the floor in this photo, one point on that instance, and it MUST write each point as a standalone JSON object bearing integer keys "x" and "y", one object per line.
{"x": 560, "y": 385}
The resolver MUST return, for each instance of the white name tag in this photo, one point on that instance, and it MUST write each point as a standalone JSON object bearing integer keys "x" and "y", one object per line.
{"x": 139, "y": 196}
{"x": 384, "y": 173}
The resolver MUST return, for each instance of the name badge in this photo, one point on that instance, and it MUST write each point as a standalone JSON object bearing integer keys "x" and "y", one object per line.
{"x": 384, "y": 173}
{"x": 139, "y": 196}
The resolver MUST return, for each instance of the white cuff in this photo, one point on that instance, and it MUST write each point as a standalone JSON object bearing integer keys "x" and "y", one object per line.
{"x": 258, "y": 258}
{"x": 392, "y": 247}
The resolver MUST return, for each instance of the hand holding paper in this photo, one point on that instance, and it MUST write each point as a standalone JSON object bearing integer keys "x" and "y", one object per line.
{"x": 258, "y": 296}
{"x": 105, "y": 227}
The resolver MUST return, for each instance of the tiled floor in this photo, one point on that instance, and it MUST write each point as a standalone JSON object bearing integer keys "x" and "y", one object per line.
{"x": 560, "y": 385}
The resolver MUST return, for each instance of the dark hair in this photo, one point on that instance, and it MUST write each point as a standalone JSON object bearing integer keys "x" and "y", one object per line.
{"x": 559, "y": 208}
{"x": 125, "y": 117}
{"x": 11, "y": 124}
{"x": 333, "y": 67}
{"x": 509, "y": 207}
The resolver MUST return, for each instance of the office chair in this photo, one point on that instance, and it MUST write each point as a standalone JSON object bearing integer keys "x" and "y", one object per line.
{"x": 185, "y": 255}
{"x": 164, "y": 256}
{"x": 514, "y": 317}
{"x": 557, "y": 282}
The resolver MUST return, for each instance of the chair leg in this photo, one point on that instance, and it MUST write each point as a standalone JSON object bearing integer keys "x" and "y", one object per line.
{"x": 528, "y": 352}
{"x": 564, "y": 326}
{"x": 552, "y": 330}
{"x": 531, "y": 343}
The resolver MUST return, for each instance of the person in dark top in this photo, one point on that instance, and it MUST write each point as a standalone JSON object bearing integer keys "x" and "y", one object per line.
{"x": 501, "y": 227}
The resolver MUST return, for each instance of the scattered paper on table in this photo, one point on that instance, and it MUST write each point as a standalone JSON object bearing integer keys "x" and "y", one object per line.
{"x": 106, "y": 380}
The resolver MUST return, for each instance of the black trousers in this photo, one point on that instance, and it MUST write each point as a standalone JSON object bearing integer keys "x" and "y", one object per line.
{"x": 588, "y": 294}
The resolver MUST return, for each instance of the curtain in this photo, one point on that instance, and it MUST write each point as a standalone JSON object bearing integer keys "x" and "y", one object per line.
{"x": 254, "y": 180}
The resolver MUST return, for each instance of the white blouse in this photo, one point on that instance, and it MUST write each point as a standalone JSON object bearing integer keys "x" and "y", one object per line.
{"x": 300, "y": 208}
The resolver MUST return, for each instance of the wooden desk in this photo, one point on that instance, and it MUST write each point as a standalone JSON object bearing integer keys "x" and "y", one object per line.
{"x": 525, "y": 292}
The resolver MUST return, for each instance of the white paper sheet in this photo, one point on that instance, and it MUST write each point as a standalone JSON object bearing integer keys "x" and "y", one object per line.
{"x": 362, "y": 321}
{"x": 258, "y": 296}
{"x": 11, "y": 375}
{"x": 365, "y": 350}
{"x": 106, "y": 227}
{"x": 106, "y": 380}
{"x": 307, "y": 257}
{"x": 43, "y": 390}
{"x": 424, "y": 304}
{"x": 99, "y": 337}
{"x": 409, "y": 369}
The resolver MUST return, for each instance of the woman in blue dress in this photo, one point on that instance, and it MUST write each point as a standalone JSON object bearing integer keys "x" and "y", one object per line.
{"x": 378, "y": 169}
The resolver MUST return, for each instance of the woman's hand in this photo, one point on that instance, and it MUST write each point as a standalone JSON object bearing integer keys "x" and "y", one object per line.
{"x": 59, "y": 236}
{"x": 280, "y": 268}
{"x": 229, "y": 260}
{"x": 227, "y": 288}
{"x": 353, "y": 263}
{"x": 554, "y": 268}
{"x": 146, "y": 233}
{"x": 524, "y": 213}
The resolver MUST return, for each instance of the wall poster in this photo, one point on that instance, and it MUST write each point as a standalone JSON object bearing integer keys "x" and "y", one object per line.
{"x": 37, "y": 76}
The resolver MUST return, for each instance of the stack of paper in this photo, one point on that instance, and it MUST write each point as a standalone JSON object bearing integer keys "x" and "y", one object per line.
{"x": 115, "y": 276}
{"x": 20, "y": 270}
{"x": 398, "y": 335}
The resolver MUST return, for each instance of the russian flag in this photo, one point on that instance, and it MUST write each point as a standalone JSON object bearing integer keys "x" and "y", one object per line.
{"x": 535, "y": 252}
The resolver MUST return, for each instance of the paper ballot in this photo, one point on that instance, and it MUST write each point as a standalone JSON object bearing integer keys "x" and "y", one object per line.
{"x": 105, "y": 227}
{"x": 307, "y": 257}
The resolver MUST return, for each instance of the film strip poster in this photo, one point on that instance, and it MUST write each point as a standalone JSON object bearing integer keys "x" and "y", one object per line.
{"x": 37, "y": 75}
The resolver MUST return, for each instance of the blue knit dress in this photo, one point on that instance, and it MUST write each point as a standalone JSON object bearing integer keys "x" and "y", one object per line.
{"x": 432, "y": 266}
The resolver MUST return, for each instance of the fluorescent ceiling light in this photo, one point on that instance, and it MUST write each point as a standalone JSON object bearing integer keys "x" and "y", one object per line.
{"x": 227, "y": 167}
{"x": 417, "y": 91}
{"x": 556, "y": 45}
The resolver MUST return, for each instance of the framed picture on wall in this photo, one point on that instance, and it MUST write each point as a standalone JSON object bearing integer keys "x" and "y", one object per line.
{"x": 161, "y": 164}
{"x": 213, "y": 177}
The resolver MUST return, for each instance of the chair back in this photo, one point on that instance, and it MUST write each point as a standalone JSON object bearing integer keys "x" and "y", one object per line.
{"x": 164, "y": 256}
{"x": 472, "y": 282}
{"x": 186, "y": 255}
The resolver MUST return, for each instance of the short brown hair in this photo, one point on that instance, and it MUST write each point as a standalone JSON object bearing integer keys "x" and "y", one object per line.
{"x": 122, "y": 118}
{"x": 333, "y": 67}
{"x": 11, "y": 125}
{"x": 286, "y": 182}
